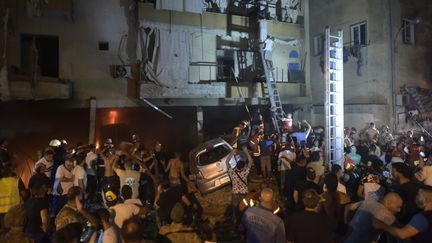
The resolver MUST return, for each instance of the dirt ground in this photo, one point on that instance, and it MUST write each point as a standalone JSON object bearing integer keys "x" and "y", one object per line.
{"x": 217, "y": 210}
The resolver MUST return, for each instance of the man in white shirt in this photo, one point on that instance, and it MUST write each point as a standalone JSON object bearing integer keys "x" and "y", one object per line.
{"x": 124, "y": 211}
{"x": 80, "y": 175}
{"x": 64, "y": 180}
{"x": 268, "y": 47}
{"x": 128, "y": 176}
{"x": 47, "y": 160}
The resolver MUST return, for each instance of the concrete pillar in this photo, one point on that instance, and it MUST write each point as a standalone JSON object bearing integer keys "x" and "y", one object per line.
{"x": 200, "y": 123}
{"x": 92, "y": 121}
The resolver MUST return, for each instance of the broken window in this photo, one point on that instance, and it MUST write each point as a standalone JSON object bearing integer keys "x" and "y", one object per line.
{"x": 225, "y": 64}
{"x": 358, "y": 34}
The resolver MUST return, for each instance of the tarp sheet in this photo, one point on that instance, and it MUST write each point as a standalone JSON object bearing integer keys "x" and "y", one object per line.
{"x": 167, "y": 60}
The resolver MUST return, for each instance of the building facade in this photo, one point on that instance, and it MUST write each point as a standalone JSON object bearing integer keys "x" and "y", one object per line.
{"x": 386, "y": 48}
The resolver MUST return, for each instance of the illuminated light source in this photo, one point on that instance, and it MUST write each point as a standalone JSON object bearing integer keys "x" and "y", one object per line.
{"x": 112, "y": 117}
{"x": 97, "y": 144}
{"x": 245, "y": 202}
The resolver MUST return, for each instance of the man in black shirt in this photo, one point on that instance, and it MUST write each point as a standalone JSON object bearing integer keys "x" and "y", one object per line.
{"x": 303, "y": 185}
{"x": 309, "y": 226}
{"x": 37, "y": 210}
{"x": 407, "y": 189}
{"x": 40, "y": 179}
{"x": 166, "y": 198}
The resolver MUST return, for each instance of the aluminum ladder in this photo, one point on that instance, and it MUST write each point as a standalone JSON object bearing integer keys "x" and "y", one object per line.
{"x": 270, "y": 90}
{"x": 334, "y": 100}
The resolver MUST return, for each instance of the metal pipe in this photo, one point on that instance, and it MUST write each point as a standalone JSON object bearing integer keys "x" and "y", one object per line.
{"x": 156, "y": 108}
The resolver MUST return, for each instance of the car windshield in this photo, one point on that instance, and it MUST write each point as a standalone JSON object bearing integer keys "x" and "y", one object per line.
{"x": 212, "y": 155}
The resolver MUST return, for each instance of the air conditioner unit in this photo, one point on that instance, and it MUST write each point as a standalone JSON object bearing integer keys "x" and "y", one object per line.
{"x": 121, "y": 71}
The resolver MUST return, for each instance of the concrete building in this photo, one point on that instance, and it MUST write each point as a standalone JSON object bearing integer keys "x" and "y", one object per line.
{"x": 387, "y": 46}
{"x": 170, "y": 54}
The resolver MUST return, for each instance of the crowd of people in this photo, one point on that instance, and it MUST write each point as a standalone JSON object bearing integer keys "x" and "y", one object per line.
{"x": 111, "y": 194}
{"x": 381, "y": 192}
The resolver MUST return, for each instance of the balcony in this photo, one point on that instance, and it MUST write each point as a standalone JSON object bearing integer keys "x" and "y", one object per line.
{"x": 218, "y": 21}
{"x": 20, "y": 87}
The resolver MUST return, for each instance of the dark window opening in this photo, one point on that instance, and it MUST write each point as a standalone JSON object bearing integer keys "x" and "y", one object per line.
{"x": 103, "y": 46}
{"x": 408, "y": 31}
{"x": 225, "y": 63}
{"x": 40, "y": 54}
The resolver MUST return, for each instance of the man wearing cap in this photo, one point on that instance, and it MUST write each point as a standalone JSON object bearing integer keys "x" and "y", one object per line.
{"x": 177, "y": 231}
{"x": 261, "y": 224}
{"x": 419, "y": 228}
{"x": 238, "y": 177}
{"x": 309, "y": 226}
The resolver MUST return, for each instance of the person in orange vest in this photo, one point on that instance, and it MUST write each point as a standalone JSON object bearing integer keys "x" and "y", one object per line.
{"x": 240, "y": 133}
{"x": 256, "y": 151}
{"x": 253, "y": 199}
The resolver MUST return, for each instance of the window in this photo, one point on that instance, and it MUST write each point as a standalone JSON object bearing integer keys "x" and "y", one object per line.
{"x": 358, "y": 34}
{"x": 213, "y": 155}
{"x": 40, "y": 54}
{"x": 103, "y": 46}
{"x": 408, "y": 31}
{"x": 318, "y": 44}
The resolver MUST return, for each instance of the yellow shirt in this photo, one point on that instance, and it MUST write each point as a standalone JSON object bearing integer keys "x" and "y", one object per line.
{"x": 9, "y": 193}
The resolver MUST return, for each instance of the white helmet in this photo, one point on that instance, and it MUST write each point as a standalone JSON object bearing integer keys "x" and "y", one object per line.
{"x": 54, "y": 143}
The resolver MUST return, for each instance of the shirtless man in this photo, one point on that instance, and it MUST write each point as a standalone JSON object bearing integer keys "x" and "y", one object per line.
{"x": 175, "y": 170}
{"x": 109, "y": 181}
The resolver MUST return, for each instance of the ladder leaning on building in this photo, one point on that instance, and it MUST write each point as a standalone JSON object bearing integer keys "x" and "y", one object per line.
{"x": 334, "y": 100}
